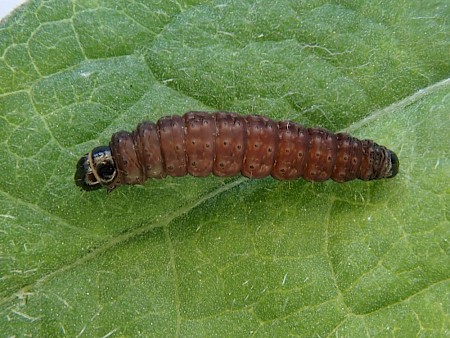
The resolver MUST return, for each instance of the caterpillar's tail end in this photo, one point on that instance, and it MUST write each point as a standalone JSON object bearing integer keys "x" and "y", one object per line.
{"x": 395, "y": 164}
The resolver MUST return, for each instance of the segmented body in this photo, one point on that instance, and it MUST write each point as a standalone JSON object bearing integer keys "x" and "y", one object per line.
{"x": 228, "y": 144}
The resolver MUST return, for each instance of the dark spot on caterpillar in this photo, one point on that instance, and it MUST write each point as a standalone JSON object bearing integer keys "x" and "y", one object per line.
{"x": 227, "y": 144}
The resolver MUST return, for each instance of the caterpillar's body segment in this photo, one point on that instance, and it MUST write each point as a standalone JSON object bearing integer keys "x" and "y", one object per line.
{"x": 228, "y": 144}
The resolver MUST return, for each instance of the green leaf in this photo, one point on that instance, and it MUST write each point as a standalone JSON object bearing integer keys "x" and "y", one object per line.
{"x": 213, "y": 256}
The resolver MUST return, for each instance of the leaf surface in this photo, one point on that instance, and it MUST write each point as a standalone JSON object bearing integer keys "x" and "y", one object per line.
{"x": 213, "y": 256}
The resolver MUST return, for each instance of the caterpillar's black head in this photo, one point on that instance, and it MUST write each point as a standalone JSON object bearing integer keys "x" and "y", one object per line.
{"x": 96, "y": 169}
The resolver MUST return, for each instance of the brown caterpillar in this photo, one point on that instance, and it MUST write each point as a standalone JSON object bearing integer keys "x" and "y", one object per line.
{"x": 228, "y": 144}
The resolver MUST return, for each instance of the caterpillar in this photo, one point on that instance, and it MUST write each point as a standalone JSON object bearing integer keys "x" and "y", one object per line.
{"x": 228, "y": 144}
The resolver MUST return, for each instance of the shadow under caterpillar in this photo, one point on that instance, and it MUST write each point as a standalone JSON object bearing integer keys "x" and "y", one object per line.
{"x": 228, "y": 144}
